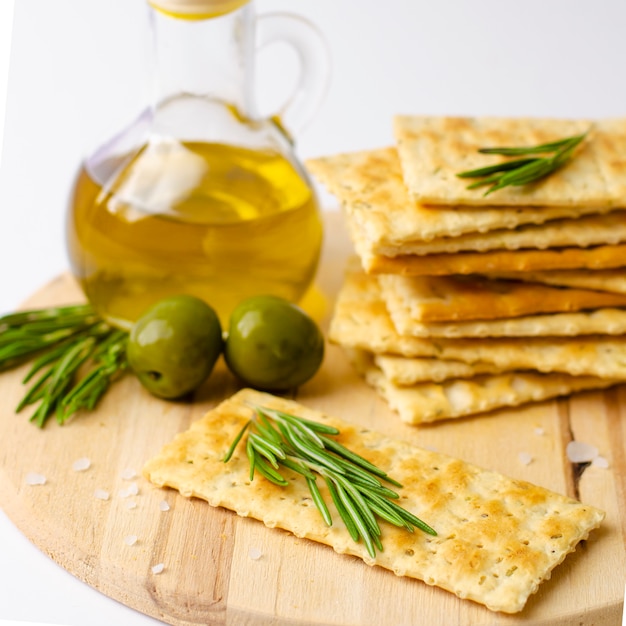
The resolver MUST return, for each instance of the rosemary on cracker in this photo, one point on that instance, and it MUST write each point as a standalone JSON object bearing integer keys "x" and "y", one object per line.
{"x": 75, "y": 354}
{"x": 525, "y": 170}
{"x": 276, "y": 439}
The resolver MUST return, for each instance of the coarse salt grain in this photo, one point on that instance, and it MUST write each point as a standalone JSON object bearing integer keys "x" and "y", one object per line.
{"x": 101, "y": 494}
{"x": 255, "y": 554}
{"x": 32, "y": 478}
{"x": 131, "y": 504}
{"x": 600, "y": 461}
{"x": 82, "y": 464}
{"x": 128, "y": 474}
{"x": 580, "y": 452}
{"x": 130, "y": 540}
{"x": 539, "y": 431}
{"x": 525, "y": 458}
{"x": 158, "y": 568}
{"x": 164, "y": 506}
{"x": 131, "y": 490}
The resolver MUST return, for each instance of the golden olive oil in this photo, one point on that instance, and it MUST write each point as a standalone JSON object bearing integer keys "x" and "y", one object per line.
{"x": 219, "y": 222}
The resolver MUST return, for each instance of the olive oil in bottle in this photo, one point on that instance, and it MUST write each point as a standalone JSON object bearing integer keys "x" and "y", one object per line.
{"x": 217, "y": 221}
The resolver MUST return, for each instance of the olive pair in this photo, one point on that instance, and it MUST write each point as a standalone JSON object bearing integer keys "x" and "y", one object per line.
{"x": 271, "y": 344}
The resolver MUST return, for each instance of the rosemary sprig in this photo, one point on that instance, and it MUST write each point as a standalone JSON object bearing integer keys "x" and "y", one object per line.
{"x": 75, "y": 357}
{"x": 524, "y": 170}
{"x": 276, "y": 439}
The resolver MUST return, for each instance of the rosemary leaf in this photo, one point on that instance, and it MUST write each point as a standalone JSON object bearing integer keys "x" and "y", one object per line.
{"x": 252, "y": 458}
{"x": 235, "y": 443}
{"x": 341, "y": 509}
{"x": 318, "y": 500}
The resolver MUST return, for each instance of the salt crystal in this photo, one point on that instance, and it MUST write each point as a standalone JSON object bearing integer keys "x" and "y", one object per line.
{"x": 131, "y": 490}
{"x": 130, "y": 540}
{"x": 255, "y": 554}
{"x": 131, "y": 504}
{"x": 128, "y": 474}
{"x": 82, "y": 464}
{"x": 580, "y": 452}
{"x": 164, "y": 506}
{"x": 35, "y": 479}
{"x": 158, "y": 568}
{"x": 600, "y": 461}
{"x": 101, "y": 494}
{"x": 525, "y": 458}
{"x": 539, "y": 431}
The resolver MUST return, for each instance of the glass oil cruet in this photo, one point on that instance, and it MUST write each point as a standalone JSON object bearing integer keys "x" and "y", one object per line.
{"x": 200, "y": 195}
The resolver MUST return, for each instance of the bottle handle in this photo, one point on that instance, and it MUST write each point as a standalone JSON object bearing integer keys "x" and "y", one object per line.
{"x": 314, "y": 57}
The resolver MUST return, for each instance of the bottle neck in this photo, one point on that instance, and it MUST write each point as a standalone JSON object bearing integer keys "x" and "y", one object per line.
{"x": 209, "y": 59}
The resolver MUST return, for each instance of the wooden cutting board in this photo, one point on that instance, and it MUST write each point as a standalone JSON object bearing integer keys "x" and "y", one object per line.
{"x": 221, "y": 569}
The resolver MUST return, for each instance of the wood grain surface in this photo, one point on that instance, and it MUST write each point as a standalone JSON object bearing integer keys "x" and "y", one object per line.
{"x": 221, "y": 569}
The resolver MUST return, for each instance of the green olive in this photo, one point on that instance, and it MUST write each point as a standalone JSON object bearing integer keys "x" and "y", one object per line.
{"x": 272, "y": 344}
{"x": 173, "y": 347}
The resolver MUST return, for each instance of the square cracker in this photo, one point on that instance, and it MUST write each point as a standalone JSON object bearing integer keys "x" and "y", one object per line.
{"x": 433, "y": 150}
{"x": 607, "y": 321}
{"x": 582, "y": 232}
{"x": 498, "y": 538}
{"x": 361, "y": 320}
{"x": 491, "y": 261}
{"x": 451, "y": 298}
{"x": 370, "y": 186}
{"x": 425, "y": 402}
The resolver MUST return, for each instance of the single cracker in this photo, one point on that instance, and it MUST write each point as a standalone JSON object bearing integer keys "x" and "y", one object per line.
{"x": 452, "y": 298}
{"x": 370, "y": 186}
{"x": 498, "y": 538}
{"x": 582, "y": 232}
{"x": 606, "y": 321}
{"x": 433, "y": 150}
{"x": 493, "y": 261}
{"x": 426, "y": 402}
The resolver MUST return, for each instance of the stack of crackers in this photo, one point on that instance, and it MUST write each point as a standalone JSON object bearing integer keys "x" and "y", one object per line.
{"x": 460, "y": 302}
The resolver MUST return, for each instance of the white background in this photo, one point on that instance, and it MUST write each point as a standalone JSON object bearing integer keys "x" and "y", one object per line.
{"x": 75, "y": 77}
